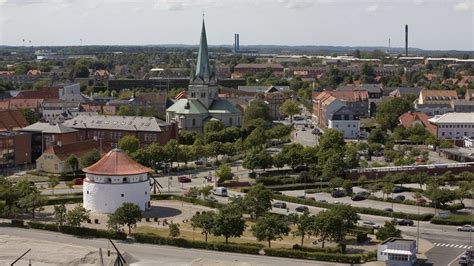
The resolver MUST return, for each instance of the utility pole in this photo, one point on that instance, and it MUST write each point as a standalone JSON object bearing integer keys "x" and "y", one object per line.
{"x": 418, "y": 230}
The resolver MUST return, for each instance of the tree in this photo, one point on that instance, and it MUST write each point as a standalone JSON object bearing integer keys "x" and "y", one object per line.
{"x": 53, "y": 182}
{"x": 387, "y": 189}
{"x": 256, "y": 139}
{"x": 128, "y": 214}
{"x": 336, "y": 182}
{"x": 174, "y": 230}
{"x": 270, "y": 227}
{"x": 332, "y": 141}
{"x": 279, "y": 160}
{"x": 347, "y": 186}
{"x": 113, "y": 223}
{"x": 213, "y": 126}
{"x": 32, "y": 201}
{"x": 73, "y": 163}
{"x": 333, "y": 166}
{"x": 129, "y": 144}
{"x": 214, "y": 149}
{"x": 388, "y": 112}
{"x": 305, "y": 225}
{"x": 172, "y": 151}
{"x": 224, "y": 173}
{"x": 229, "y": 222}
{"x": 290, "y": 108}
{"x": 60, "y": 214}
{"x": 125, "y": 110}
{"x": 257, "y": 110}
{"x": 258, "y": 200}
{"x": 327, "y": 226}
{"x": 264, "y": 159}
{"x": 90, "y": 158}
{"x": 76, "y": 216}
{"x": 376, "y": 136}
{"x": 30, "y": 116}
{"x": 187, "y": 137}
{"x": 388, "y": 230}
{"x": 293, "y": 154}
{"x": 205, "y": 221}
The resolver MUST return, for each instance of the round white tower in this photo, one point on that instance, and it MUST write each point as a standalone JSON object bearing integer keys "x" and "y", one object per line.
{"x": 113, "y": 180}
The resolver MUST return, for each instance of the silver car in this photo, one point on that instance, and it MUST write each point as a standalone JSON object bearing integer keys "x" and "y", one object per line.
{"x": 466, "y": 228}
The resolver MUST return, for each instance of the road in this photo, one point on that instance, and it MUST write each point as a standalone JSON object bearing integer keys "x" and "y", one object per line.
{"x": 155, "y": 254}
{"x": 363, "y": 203}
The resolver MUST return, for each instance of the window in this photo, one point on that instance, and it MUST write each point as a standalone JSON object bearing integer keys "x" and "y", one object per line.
{"x": 194, "y": 122}
{"x": 121, "y": 195}
{"x": 146, "y": 192}
{"x": 56, "y": 166}
{"x": 230, "y": 121}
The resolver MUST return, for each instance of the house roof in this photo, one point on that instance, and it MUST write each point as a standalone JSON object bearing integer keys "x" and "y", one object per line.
{"x": 43, "y": 93}
{"x": 457, "y": 118}
{"x": 258, "y": 66}
{"x": 222, "y": 107}
{"x": 347, "y": 95}
{"x": 48, "y": 128}
{"x": 77, "y": 149}
{"x": 407, "y": 119}
{"x": 188, "y": 106}
{"x": 115, "y": 122}
{"x": 405, "y": 91}
{"x": 24, "y": 103}
{"x": 372, "y": 88}
{"x": 116, "y": 162}
{"x": 263, "y": 89}
{"x": 439, "y": 94}
{"x": 12, "y": 120}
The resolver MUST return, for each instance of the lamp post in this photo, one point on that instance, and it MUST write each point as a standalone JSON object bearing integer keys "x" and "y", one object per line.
{"x": 418, "y": 230}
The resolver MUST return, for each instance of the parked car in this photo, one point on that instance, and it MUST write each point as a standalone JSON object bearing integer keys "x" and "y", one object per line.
{"x": 420, "y": 201}
{"x": 311, "y": 126}
{"x": 399, "y": 198}
{"x": 357, "y": 197}
{"x": 220, "y": 191}
{"x": 300, "y": 197}
{"x": 184, "y": 179}
{"x": 310, "y": 198}
{"x": 276, "y": 192}
{"x": 337, "y": 202}
{"x": 406, "y": 222}
{"x": 301, "y": 209}
{"x": 338, "y": 194}
{"x": 363, "y": 193}
{"x": 369, "y": 224}
{"x": 466, "y": 228}
{"x": 397, "y": 190}
{"x": 211, "y": 199}
{"x": 388, "y": 209}
{"x": 199, "y": 162}
{"x": 323, "y": 201}
{"x": 303, "y": 129}
{"x": 280, "y": 205}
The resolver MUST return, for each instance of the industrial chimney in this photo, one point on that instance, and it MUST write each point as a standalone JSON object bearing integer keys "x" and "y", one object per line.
{"x": 406, "y": 40}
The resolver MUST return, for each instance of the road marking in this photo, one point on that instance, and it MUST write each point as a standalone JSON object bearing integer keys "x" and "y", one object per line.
{"x": 457, "y": 246}
{"x": 435, "y": 244}
{"x": 452, "y": 245}
{"x": 455, "y": 259}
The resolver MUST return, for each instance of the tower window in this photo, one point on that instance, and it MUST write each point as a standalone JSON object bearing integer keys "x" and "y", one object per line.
{"x": 121, "y": 195}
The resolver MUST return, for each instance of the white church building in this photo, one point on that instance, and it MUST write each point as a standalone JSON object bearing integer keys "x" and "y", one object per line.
{"x": 113, "y": 180}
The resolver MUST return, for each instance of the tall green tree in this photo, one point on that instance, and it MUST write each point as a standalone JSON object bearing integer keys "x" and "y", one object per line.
{"x": 32, "y": 201}
{"x": 290, "y": 108}
{"x": 129, "y": 144}
{"x": 304, "y": 225}
{"x": 258, "y": 200}
{"x": 205, "y": 221}
{"x": 229, "y": 222}
{"x": 60, "y": 214}
{"x": 53, "y": 182}
{"x": 388, "y": 230}
{"x": 90, "y": 158}
{"x": 257, "y": 110}
{"x": 76, "y": 216}
{"x": 388, "y": 112}
{"x": 73, "y": 163}
{"x": 270, "y": 228}
{"x": 30, "y": 116}
{"x": 128, "y": 214}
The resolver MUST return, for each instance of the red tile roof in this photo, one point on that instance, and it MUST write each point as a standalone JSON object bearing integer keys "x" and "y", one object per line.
{"x": 116, "y": 162}
{"x": 409, "y": 119}
{"x": 12, "y": 120}
{"x": 25, "y": 103}
{"x": 44, "y": 93}
{"x": 77, "y": 149}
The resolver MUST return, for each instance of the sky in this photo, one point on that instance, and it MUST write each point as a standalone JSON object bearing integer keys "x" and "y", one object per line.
{"x": 433, "y": 24}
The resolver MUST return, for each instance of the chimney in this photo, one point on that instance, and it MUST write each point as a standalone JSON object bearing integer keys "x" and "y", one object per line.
{"x": 406, "y": 40}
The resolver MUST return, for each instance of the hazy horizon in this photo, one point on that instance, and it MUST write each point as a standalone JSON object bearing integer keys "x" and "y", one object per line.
{"x": 433, "y": 24}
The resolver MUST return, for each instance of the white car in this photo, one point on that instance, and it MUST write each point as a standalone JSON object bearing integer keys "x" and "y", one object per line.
{"x": 369, "y": 224}
{"x": 466, "y": 228}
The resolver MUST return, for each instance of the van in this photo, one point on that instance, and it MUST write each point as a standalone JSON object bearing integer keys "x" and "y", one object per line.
{"x": 220, "y": 191}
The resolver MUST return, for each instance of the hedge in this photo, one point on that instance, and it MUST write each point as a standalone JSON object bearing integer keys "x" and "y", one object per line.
{"x": 453, "y": 220}
{"x": 63, "y": 200}
{"x": 80, "y": 231}
{"x": 206, "y": 203}
{"x": 332, "y": 257}
{"x": 362, "y": 210}
{"x": 184, "y": 243}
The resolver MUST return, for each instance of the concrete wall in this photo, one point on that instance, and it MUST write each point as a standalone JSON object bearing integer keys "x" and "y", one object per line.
{"x": 106, "y": 198}
{"x": 350, "y": 128}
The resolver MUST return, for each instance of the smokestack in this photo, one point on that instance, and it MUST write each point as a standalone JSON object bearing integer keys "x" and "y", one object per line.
{"x": 406, "y": 40}
{"x": 238, "y": 42}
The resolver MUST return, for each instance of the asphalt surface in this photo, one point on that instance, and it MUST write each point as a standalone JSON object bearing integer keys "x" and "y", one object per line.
{"x": 155, "y": 254}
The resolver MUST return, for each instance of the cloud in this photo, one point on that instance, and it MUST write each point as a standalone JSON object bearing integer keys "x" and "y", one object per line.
{"x": 372, "y": 8}
{"x": 464, "y": 6}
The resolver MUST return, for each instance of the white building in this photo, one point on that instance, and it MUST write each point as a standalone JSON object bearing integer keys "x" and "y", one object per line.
{"x": 454, "y": 125}
{"x": 397, "y": 252}
{"x": 345, "y": 121}
{"x": 114, "y": 180}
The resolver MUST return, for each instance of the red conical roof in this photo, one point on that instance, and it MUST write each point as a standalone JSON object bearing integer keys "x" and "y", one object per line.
{"x": 116, "y": 162}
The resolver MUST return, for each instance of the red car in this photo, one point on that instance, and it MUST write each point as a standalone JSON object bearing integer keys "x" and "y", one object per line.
{"x": 184, "y": 179}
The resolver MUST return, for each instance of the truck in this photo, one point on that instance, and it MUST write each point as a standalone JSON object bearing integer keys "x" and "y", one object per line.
{"x": 220, "y": 191}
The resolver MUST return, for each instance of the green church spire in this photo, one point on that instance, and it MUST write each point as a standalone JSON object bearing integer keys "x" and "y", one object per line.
{"x": 203, "y": 70}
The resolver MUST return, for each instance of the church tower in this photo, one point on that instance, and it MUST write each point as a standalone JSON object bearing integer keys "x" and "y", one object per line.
{"x": 203, "y": 85}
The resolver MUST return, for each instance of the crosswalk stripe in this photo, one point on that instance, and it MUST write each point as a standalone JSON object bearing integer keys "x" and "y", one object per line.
{"x": 452, "y": 245}
{"x": 456, "y": 246}
{"x": 435, "y": 244}
{"x": 463, "y": 247}
{"x": 469, "y": 247}
{"x": 442, "y": 245}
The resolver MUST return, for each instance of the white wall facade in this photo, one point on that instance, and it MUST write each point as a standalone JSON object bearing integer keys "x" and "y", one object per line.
{"x": 350, "y": 128}
{"x": 104, "y": 194}
{"x": 455, "y": 130}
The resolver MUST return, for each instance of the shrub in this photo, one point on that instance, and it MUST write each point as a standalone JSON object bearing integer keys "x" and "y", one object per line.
{"x": 180, "y": 242}
{"x": 297, "y": 254}
{"x": 453, "y": 220}
{"x": 63, "y": 200}
{"x": 18, "y": 223}
{"x": 361, "y": 236}
{"x": 81, "y": 231}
